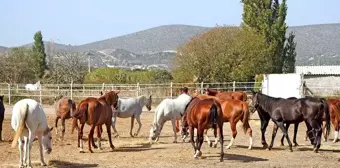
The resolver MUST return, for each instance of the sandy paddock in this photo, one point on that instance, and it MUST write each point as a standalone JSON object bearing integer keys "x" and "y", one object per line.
{"x": 136, "y": 152}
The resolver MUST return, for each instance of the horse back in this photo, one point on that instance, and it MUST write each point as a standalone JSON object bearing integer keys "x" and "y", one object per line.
{"x": 334, "y": 109}
{"x": 233, "y": 108}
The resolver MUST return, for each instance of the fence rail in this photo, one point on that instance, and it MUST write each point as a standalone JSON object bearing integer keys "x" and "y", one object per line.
{"x": 47, "y": 92}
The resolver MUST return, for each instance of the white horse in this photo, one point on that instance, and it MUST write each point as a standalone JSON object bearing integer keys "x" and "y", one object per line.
{"x": 168, "y": 109}
{"x": 131, "y": 107}
{"x": 35, "y": 86}
{"x": 29, "y": 121}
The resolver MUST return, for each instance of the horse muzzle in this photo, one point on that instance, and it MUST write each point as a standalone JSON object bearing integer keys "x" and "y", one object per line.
{"x": 48, "y": 151}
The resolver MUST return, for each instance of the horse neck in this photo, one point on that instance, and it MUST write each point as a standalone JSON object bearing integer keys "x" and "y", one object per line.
{"x": 265, "y": 102}
{"x": 142, "y": 100}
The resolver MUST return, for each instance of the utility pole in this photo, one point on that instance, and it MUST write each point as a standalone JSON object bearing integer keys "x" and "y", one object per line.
{"x": 89, "y": 61}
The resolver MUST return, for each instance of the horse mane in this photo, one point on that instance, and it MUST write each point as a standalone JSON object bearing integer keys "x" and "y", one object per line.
{"x": 266, "y": 101}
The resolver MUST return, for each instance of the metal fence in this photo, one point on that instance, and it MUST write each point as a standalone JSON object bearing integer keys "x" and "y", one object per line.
{"x": 47, "y": 92}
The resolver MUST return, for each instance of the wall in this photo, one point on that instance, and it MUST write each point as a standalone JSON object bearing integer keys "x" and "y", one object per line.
{"x": 322, "y": 85}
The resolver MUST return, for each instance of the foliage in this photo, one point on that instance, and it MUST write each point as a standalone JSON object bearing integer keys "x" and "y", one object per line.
{"x": 290, "y": 54}
{"x": 39, "y": 54}
{"x": 258, "y": 82}
{"x": 65, "y": 68}
{"x": 267, "y": 17}
{"x": 17, "y": 66}
{"x": 221, "y": 54}
{"x": 115, "y": 75}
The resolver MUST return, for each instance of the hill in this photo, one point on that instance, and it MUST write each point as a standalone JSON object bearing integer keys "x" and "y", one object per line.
{"x": 3, "y": 49}
{"x": 155, "y": 47}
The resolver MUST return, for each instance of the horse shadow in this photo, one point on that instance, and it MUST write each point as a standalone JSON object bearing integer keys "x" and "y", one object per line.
{"x": 241, "y": 158}
{"x": 141, "y": 147}
{"x": 322, "y": 150}
{"x": 61, "y": 164}
{"x": 261, "y": 148}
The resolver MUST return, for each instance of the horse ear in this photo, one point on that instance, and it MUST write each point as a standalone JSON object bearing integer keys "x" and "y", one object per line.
{"x": 51, "y": 129}
{"x": 116, "y": 91}
{"x": 101, "y": 93}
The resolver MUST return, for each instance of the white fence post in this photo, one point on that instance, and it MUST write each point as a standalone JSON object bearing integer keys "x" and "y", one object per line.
{"x": 9, "y": 94}
{"x": 137, "y": 89}
{"x": 40, "y": 95}
{"x": 71, "y": 90}
{"x": 171, "y": 91}
{"x": 58, "y": 90}
{"x": 103, "y": 86}
{"x": 234, "y": 83}
{"x": 201, "y": 87}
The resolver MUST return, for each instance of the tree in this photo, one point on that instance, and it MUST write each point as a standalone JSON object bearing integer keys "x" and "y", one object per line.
{"x": 290, "y": 54}
{"x": 267, "y": 17}
{"x": 39, "y": 54}
{"x": 221, "y": 54}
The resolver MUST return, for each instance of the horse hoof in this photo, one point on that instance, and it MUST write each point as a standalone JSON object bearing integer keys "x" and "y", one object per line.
{"x": 249, "y": 147}
{"x": 265, "y": 146}
{"x": 195, "y": 157}
{"x": 210, "y": 144}
{"x": 81, "y": 151}
{"x": 215, "y": 145}
{"x": 296, "y": 144}
{"x": 199, "y": 153}
{"x": 174, "y": 141}
{"x": 227, "y": 147}
{"x": 135, "y": 134}
{"x": 95, "y": 146}
{"x": 221, "y": 160}
{"x": 43, "y": 164}
{"x": 282, "y": 144}
{"x": 112, "y": 147}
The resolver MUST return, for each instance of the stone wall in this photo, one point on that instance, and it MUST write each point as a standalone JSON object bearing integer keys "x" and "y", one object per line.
{"x": 323, "y": 85}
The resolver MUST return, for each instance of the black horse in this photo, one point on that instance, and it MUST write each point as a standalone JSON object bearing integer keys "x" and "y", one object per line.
{"x": 292, "y": 111}
{"x": 2, "y": 114}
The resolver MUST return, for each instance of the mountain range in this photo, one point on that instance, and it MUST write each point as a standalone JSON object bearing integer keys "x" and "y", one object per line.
{"x": 155, "y": 47}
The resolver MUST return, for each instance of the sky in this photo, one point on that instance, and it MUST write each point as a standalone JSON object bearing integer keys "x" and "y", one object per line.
{"x": 78, "y": 22}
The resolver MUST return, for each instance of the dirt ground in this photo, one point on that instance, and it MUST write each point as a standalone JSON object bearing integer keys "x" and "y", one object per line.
{"x": 136, "y": 152}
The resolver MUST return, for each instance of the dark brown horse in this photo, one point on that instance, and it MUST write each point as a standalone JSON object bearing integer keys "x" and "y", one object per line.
{"x": 64, "y": 109}
{"x": 203, "y": 114}
{"x": 95, "y": 112}
{"x": 2, "y": 114}
{"x": 233, "y": 111}
{"x": 238, "y": 95}
{"x": 282, "y": 111}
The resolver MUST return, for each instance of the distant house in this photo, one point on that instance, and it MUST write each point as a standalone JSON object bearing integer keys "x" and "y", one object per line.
{"x": 321, "y": 80}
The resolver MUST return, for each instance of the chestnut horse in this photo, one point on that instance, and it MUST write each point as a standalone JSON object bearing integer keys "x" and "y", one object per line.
{"x": 233, "y": 111}
{"x": 203, "y": 114}
{"x": 64, "y": 108}
{"x": 238, "y": 95}
{"x": 95, "y": 112}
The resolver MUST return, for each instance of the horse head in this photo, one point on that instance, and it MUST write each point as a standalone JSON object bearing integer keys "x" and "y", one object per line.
{"x": 111, "y": 98}
{"x": 185, "y": 126}
{"x": 255, "y": 101}
{"x": 149, "y": 102}
{"x": 47, "y": 140}
{"x": 154, "y": 132}
{"x": 1, "y": 99}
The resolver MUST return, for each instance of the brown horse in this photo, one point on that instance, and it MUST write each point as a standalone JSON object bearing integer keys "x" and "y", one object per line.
{"x": 203, "y": 114}
{"x": 233, "y": 111}
{"x": 95, "y": 112}
{"x": 237, "y": 95}
{"x": 64, "y": 108}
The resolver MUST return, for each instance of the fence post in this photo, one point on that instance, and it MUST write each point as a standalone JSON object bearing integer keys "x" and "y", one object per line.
{"x": 71, "y": 90}
{"x": 58, "y": 90}
{"x": 40, "y": 95}
{"x": 103, "y": 86}
{"x": 201, "y": 87}
{"x": 234, "y": 83}
{"x": 9, "y": 94}
{"x": 137, "y": 89}
{"x": 171, "y": 91}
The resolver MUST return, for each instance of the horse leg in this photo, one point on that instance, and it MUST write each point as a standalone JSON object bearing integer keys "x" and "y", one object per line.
{"x": 139, "y": 125}
{"x": 56, "y": 124}
{"x": 207, "y": 138}
{"x": 317, "y": 134}
{"x": 264, "y": 125}
{"x": 234, "y": 133}
{"x": 296, "y": 127}
{"x": 273, "y": 136}
{"x": 62, "y": 129}
{"x": 99, "y": 136}
{"x": 1, "y": 122}
{"x": 108, "y": 129}
{"x": 25, "y": 151}
{"x": 216, "y": 140}
{"x": 220, "y": 131}
{"x": 29, "y": 148}
{"x": 41, "y": 151}
{"x": 173, "y": 121}
{"x": 132, "y": 123}
{"x": 199, "y": 141}
{"x": 281, "y": 126}
{"x": 191, "y": 130}
{"x": 20, "y": 146}
{"x": 90, "y": 137}
{"x": 336, "y": 131}
{"x": 113, "y": 124}
{"x": 283, "y": 136}
{"x": 80, "y": 138}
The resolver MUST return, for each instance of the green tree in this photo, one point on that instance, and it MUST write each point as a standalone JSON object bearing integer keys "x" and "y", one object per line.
{"x": 39, "y": 54}
{"x": 268, "y": 17}
{"x": 290, "y": 54}
{"x": 221, "y": 54}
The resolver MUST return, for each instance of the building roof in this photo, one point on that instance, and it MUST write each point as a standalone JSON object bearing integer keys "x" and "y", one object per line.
{"x": 318, "y": 70}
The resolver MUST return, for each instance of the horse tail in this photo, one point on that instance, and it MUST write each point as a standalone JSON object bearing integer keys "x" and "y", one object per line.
{"x": 328, "y": 117}
{"x": 80, "y": 112}
{"x": 23, "y": 116}
{"x": 213, "y": 115}
{"x": 70, "y": 105}
{"x": 245, "y": 119}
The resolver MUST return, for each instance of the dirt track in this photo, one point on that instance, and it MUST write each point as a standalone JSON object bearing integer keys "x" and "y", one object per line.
{"x": 136, "y": 152}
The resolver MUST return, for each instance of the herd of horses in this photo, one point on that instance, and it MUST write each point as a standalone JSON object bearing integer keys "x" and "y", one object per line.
{"x": 197, "y": 111}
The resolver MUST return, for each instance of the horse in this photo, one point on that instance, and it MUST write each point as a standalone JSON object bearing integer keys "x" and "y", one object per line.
{"x": 131, "y": 107}
{"x": 35, "y": 86}
{"x": 291, "y": 111}
{"x": 238, "y": 95}
{"x": 233, "y": 111}
{"x": 203, "y": 114}
{"x": 2, "y": 114}
{"x": 64, "y": 109}
{"x": 95, "y": 112}
{"x": 29, "y": 120}
{"x": 168, "y": 109}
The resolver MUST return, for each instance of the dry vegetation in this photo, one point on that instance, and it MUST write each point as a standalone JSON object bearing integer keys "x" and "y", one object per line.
{"x": 136, "y": 152}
